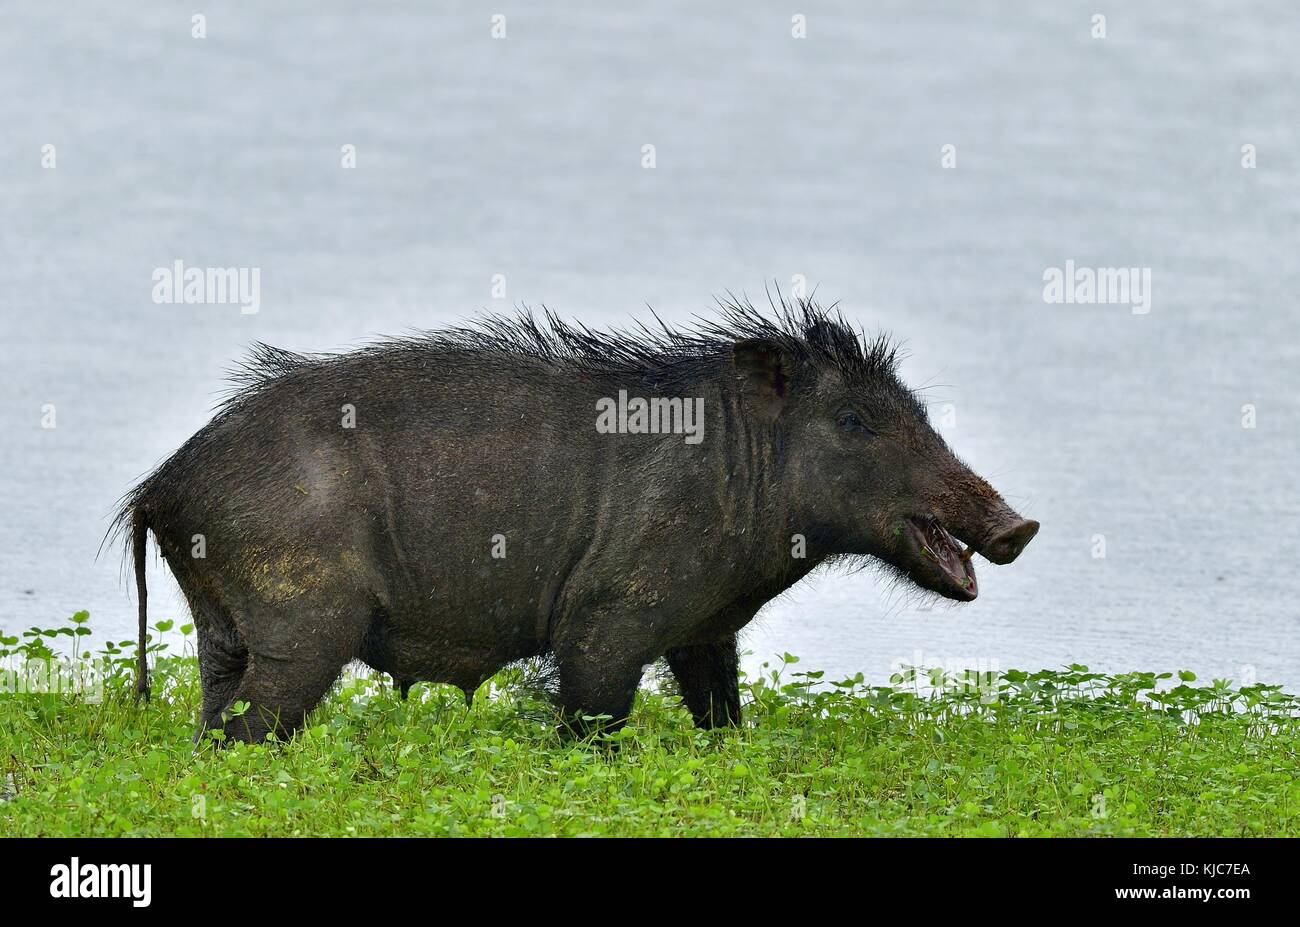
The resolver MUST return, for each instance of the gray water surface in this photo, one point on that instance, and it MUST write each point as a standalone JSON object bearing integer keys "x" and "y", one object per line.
{"x": 775, "y": 157}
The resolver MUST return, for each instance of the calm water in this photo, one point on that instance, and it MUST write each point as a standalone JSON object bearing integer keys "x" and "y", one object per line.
{"x": 774, "y": 157}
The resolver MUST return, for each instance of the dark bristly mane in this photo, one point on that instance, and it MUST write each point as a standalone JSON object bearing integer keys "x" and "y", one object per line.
{"x": 662, "y": 354}
{"x": 665, "y": 356}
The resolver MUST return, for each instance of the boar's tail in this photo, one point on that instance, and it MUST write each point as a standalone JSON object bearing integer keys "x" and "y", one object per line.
{"x": 139, "y": 541}
{"x": 131, "y": 524}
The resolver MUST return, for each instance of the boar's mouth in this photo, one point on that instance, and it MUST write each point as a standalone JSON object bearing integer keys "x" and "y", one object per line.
{"x": 934, "y": 560}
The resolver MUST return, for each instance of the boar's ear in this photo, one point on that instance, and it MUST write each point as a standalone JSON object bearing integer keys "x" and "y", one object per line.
{"x": 764, "y": 372}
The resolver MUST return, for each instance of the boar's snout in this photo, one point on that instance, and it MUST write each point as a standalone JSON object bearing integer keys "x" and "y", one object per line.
{"x": 976, "y": 514}
{"x": 1006, "y": 544}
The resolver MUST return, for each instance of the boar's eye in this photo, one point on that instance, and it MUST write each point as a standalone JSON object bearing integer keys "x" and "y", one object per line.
{"x": 849, "y": 421}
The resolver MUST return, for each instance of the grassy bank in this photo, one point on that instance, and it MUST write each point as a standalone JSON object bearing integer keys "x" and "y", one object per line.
{"x": 1049, "y": 753}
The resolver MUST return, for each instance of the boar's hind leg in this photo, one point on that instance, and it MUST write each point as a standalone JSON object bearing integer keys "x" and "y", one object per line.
{"x": 223, "y": 659}
{"x": 291, "y": 665}
{"x": 708, "y": 677}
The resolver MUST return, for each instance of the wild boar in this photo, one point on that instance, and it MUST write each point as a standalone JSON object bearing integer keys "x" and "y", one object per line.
{"x": 442, "y": 505}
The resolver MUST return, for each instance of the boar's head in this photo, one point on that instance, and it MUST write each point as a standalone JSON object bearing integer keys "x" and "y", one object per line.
{"x": 861, "y": 468}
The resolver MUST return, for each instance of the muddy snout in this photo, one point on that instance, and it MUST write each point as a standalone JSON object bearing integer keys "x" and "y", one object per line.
{"x": 1005, "y": 544}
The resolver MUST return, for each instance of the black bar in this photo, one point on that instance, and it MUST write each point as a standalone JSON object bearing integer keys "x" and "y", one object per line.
{"x": 371, "y": 876}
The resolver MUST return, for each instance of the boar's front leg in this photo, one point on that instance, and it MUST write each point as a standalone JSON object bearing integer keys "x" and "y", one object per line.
{"x": 600, "y": 663}
{"x": 596, "y": 697}
{"x": 708, "y": 676}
